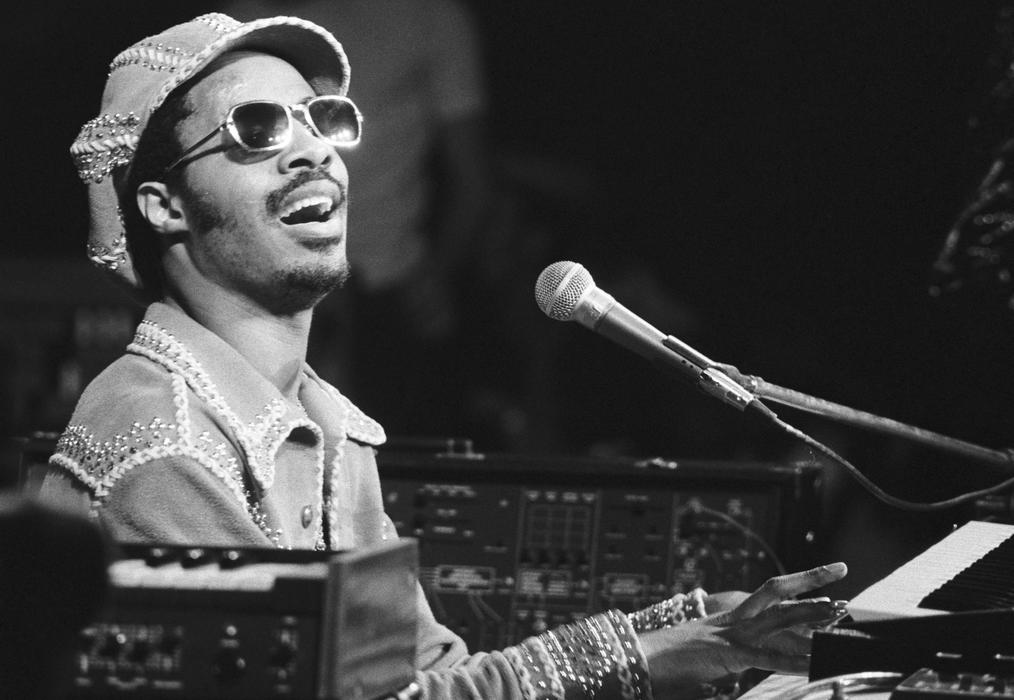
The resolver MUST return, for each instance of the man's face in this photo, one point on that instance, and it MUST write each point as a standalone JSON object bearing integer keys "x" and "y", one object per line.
{"x": 268, "y": 226}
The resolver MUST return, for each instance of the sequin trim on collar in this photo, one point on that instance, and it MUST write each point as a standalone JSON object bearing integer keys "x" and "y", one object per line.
{"x": 259, "y": 439}
{"x": 358, "y": 425}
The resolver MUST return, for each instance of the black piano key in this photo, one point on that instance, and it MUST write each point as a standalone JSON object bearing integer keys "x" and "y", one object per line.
{"x": 985, "y": 584}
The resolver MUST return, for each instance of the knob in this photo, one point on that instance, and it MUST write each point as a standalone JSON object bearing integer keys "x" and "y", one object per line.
{"x": 113, "y": 643}
{"x": 195, "y": 556}
{"x": 233, "y": 559}
{"x": 283, "y": 654}
{"x": 229, "y": 664}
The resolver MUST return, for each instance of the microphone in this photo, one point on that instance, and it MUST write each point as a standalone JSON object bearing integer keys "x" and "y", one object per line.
{"x": 565, "y": 291}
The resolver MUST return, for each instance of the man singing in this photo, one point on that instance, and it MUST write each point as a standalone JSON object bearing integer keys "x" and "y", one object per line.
{"x": 218, "y": 195}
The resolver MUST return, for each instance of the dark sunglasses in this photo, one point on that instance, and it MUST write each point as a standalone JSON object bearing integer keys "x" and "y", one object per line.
{"x": 260, "y": 126}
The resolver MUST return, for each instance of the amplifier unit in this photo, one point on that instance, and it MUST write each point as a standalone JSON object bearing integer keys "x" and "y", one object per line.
{"x": 510, "y": 546}
{"x": 254, "y": 623}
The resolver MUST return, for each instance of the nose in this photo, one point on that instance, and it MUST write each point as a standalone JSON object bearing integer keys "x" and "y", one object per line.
{"x": 306, "y": 150}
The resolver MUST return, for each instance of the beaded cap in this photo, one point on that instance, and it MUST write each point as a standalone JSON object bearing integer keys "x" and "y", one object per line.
{"x": 140, "y": 79}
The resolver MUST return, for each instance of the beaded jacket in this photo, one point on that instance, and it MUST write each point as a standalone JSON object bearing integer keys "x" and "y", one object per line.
{"x": 182, "y": 441}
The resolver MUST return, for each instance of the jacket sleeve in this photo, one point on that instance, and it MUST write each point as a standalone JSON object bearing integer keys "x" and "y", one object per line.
{"x": 597, "y": 657}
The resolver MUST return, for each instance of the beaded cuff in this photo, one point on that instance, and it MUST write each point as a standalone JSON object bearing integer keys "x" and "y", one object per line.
{"x": 597, "y": 657}
{"x": 672, "y": 611}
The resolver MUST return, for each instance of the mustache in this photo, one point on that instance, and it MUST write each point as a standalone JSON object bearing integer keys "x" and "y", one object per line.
{"x": 275, "y": 198}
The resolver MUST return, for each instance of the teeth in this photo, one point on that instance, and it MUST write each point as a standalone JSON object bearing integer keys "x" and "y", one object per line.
{"x": 322, "y": 203}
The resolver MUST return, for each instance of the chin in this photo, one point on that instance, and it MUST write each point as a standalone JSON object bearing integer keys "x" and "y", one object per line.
{"x": 302, "y": 288}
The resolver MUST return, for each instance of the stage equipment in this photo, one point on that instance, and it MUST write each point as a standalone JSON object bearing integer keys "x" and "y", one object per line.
{"x": 565, "y": 292}
{"x": 945, "y": 620}
{"x": 972, "y": 568}
{"x": 512, "y": 545}
{"x": 939, "y": 627}
{"x": 202, "y": 622}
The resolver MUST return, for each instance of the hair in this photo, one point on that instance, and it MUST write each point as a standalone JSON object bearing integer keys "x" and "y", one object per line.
{"x": 157, "y": 147}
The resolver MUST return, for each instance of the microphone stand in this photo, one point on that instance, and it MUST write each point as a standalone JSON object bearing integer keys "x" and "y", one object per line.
{"x": 752, "y": 390}
{"x": 811, "y": 404}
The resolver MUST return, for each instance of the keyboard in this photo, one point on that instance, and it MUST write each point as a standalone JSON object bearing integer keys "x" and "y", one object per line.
{"x": 972, "y": 568}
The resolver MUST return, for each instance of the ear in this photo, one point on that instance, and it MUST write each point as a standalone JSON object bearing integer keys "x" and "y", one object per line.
{"x": 160, "y": 208}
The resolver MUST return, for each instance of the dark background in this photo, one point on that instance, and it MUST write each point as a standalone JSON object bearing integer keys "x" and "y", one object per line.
{"x": 770, "y": 181}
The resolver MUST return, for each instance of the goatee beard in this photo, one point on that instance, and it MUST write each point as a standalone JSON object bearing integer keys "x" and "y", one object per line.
{"x": 303, "y": 288}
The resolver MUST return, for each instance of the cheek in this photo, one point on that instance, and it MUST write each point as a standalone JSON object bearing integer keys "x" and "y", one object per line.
{"x": 221, "y": 203}
{"x": 203, "y": 215}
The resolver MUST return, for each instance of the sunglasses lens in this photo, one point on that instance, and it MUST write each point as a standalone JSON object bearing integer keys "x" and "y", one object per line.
{"x": 337, "y": 120}
{"x": 261, "y": 125}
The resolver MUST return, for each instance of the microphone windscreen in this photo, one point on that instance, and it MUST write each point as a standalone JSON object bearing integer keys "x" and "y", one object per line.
{"x": 560, "y": 287}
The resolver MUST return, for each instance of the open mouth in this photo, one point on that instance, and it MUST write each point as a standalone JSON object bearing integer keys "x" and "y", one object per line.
{"x": 310, "y": 210}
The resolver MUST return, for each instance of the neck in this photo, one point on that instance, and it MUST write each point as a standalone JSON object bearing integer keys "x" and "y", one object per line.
{"x": 274, "y": 345}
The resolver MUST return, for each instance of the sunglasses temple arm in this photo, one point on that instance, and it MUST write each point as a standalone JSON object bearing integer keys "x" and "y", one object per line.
{"x": 183, "y": 156}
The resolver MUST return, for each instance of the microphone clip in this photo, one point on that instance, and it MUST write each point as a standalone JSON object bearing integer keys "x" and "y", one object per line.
{"x": 712, "y": 379}
{"x": 716, "y": 383}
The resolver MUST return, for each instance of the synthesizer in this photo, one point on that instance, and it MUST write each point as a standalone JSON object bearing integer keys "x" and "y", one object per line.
{"x": 972, "y": 568}
{"x": 513, "y": 545}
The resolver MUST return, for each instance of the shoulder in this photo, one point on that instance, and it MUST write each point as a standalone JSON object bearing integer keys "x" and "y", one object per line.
{"x": 132, "y": 396}
{"x": 133, "y": 413}
{"x": 124, "y": 387}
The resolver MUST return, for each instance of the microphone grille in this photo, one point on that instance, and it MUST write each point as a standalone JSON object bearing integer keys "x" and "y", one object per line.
{"x": 559, "y": 288}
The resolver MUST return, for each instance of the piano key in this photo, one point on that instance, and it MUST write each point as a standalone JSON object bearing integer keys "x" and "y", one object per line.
{"x": 903, "y": 592}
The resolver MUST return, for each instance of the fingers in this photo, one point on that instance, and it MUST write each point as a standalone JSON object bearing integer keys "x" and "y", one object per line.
{"x": 780, "y": 588}
{"x": 779, "y": 638}
{"x": 839, "y": 611}
{"x": 790, "y": 614}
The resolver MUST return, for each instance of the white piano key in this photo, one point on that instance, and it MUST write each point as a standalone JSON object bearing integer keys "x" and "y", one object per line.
{"x": 898, "y": 594}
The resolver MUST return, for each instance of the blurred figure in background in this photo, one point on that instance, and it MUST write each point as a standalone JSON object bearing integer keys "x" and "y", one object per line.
{"x": 421, "y": 193}
{"x": 973, "y": 291}
{"x": 973, "y": 267}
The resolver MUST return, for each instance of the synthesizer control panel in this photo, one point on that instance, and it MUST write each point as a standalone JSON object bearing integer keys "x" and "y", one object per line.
{"x": 511, "y": 546}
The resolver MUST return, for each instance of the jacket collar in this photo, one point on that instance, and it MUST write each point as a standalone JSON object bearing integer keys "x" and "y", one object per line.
{"x": 251, "y": 406}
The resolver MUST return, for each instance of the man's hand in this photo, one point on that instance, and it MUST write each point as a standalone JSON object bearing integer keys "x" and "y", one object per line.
{"x": 767, "y": 629}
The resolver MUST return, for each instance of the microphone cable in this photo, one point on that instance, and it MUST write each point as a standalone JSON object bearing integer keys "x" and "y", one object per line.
{"x": 876, "y": 490}
{"x": 560, "y": 293}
